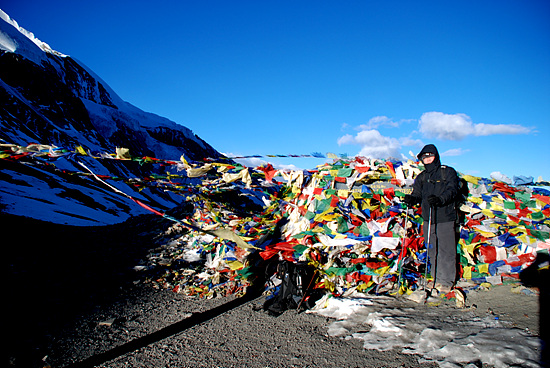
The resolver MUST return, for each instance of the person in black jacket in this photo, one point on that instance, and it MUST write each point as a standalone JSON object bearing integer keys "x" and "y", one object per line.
{"x": 436, "y": 188}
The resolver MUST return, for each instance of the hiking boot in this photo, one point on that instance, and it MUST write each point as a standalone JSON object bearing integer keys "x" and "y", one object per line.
{"x": 460, "y": 297}
{"x": 443, "y": 289}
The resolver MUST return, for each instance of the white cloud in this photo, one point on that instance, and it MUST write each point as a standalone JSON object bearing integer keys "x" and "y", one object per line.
{"x": 407, "y": 141}
{"x": 248, "y": 162}
{"x": 455, "y": 152}
{"x": 377, "y": 121}
{"x": 445, "y": 126}
{"x": 489, "y": 129}
{"x": 373, "y": 144}
{"x": 431, "y": 124}
{"x": 251, "y": 162}
{"x": 290, "y": 167}
{"x": 346, "y": 139}
{"x": 254, "y": 162}
{"x": 383, "y": 121}
{"x": 458, "y": 126}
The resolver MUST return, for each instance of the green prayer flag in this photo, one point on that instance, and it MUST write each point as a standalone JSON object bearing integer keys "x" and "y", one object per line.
{"x": 322, "y": 205}
{"x": 509, "y": 205}
{"x": 342, "y": 225}
{"x": 303, "y": 234}
{"x": 364, "y": 229}
{"x": 344, "y": 172}
{"x": 530, "y": 204}
{"x": 245, "y": 273}
{"x": 540, "y": 235}
{"x": 523, "y": 196}
{"x": 300, "y": 248}
{"x": 330, "y": 192}
{"x": 340, "y": 271}
{"x": 537, "y": 216}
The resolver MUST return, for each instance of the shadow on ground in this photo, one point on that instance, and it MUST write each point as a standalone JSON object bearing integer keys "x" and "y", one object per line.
{"x": 56, "y": 273}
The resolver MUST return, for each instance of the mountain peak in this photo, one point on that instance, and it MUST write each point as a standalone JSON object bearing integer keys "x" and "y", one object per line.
{"x": 18, "y": 40}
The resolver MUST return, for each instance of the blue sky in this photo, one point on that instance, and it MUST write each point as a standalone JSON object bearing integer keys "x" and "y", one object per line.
{"x": 376, "y": 78}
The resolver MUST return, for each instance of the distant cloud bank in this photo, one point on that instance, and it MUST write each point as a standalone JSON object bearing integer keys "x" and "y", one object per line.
{"x": 434, "y": 124}
{"x": 456, "y": 127}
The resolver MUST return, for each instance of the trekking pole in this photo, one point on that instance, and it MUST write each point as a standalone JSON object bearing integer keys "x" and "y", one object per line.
{"x": 307, "y": 290}
{"x": 403, "y": 250}
{"x": 427, "y": 250}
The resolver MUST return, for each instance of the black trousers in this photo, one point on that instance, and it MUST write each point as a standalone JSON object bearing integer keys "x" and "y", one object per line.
{"x": 442, "y": 251}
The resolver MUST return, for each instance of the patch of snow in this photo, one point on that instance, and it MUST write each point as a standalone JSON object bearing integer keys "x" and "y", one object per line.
{"x": 451, "y": 342}
{"x": 38, "y": 200}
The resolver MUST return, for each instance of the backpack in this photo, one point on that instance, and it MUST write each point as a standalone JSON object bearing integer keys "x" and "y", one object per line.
{"x": 296, "y": 281}
{"x": 462, "y": 194}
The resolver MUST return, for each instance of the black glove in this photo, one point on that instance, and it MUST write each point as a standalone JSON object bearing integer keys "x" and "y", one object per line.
{"x": 434, "y": 201}
{"x": 409, "y": 200}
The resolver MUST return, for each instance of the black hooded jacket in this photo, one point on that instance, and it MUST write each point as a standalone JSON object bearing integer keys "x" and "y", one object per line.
{"x": 438, "y": 180}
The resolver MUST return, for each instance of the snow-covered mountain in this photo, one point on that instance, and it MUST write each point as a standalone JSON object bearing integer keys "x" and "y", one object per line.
{"x": 52, "y": 99}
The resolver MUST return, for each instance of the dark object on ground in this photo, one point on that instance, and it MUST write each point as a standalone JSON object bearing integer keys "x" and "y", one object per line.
{"x": 538, "y": 275}
{"x": 295, "y": 291}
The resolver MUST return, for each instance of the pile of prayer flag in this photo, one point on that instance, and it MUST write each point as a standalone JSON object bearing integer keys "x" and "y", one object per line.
{"x": 346, "y": 218}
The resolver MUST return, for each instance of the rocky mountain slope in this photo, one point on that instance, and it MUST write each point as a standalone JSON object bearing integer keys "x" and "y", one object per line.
{"x": 52, "y": 99}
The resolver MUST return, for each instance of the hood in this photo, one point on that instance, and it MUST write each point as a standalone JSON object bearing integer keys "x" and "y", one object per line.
{"x": 430, "y": 148}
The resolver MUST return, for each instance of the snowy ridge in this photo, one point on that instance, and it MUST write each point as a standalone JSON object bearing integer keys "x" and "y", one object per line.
{"x": 13, "y": 44}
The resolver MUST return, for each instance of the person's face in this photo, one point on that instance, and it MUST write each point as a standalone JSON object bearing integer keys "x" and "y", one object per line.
{"x": 428, "y": 158}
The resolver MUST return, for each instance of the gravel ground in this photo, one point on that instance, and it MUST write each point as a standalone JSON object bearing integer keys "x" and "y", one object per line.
{"x": 74, "y": 302}
{"x": 152, "y": 328}
{"x": 239, "y": 336}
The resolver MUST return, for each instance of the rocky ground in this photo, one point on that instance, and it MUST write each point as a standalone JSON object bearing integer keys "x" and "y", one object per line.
{"x": 74, "y": 300}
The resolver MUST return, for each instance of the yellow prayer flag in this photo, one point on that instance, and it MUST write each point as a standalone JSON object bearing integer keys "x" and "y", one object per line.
{"x": 235, "y": 265}
{"x": 329, "y": 285}
{"x": 471, "y": 179}
{"x": 327, "y": 216}
{"x": 382, "y": 270}
{"x": 483, "y": 267}
{"x": 343, "y": 193}
{"x": 81, "y": 150}
{"x": 364, "y": 286}
{"x": 486, "y": 234}
{"x": 496, "y": 207}
{"x": 516, "y": 230}
{"x": 469, "y": 252}
{"x": 470, "y": 247}
{"x": 488, "y": 213}
{"x": 467, "y": 272}
{"x": 476, "y": 200}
